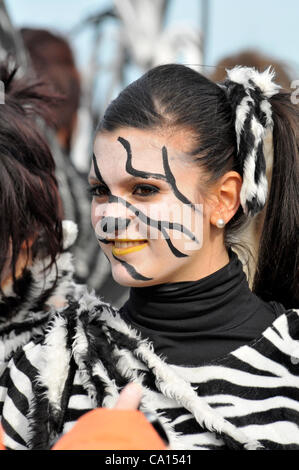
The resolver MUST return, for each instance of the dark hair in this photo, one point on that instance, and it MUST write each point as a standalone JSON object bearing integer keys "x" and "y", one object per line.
{"x": 29, "y": 199}
{"x": 253, "y": 58}
{"x": 53, "y": 62}
{"x": 176, "y": 96}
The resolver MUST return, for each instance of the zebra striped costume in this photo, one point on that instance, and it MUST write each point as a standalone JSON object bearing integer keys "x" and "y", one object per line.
{"x": 25, "y": 306}
{"x": 248, "y": 399}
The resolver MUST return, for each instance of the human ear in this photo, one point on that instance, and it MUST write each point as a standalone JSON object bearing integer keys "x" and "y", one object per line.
{"x": 226, "y": 193}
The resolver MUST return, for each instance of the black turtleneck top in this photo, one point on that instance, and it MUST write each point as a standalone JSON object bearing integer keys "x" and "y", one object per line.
{"x": 191, "y": 323}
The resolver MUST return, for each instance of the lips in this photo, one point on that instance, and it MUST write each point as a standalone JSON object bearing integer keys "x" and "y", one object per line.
{"x": 127, "y": 243}
{"x": 124, "y": 246}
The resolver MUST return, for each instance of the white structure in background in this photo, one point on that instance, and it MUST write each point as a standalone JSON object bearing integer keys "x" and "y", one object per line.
{"x": 141, "y": 38}
{"x": 149, "y": 43}
{"x": 81, "y": 141}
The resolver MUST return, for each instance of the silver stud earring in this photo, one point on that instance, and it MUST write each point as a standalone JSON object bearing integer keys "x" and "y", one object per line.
{"x": 220, "y": 223}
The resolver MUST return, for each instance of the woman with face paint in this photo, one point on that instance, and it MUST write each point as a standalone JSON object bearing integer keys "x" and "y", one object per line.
{"x": 36, "y": 267}
{"x": 180, "y": 166}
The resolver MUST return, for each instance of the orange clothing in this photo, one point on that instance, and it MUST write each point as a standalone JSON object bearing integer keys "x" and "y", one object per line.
{"x": 109, "y": 429}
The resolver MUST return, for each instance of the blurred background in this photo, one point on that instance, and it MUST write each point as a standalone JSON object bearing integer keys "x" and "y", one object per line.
{"x": 88, "y": 50}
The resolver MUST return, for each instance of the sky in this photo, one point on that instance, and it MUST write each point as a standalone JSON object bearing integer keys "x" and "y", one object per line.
{"x": 270, "y": 25}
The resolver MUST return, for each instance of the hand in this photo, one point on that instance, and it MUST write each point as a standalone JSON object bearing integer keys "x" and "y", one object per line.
{"x": 130, "y": 397}
{"x": 106, "y": 429}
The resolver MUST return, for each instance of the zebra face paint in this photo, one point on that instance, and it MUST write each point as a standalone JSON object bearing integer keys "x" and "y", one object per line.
{"x": 146, "y": 209}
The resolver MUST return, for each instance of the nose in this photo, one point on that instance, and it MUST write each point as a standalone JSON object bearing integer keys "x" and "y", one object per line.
{"x": 112, "y": 224}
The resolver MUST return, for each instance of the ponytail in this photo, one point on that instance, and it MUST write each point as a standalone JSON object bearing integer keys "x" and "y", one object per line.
{"x": 276, "y": 276}
{"x": 261, "y": 112}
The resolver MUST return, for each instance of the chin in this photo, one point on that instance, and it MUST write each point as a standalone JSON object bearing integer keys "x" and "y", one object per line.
{"x": 129, "y": 282}
{"x": 122, "y": 277}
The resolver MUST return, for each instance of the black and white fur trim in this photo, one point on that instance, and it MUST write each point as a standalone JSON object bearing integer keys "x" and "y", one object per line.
{"x": 230, "y": 403}
{"x": 25, "y": 306}
{"x": 70, "y": 233}
{"x": 128, "y": 361}
{"x": 249, "y": 92}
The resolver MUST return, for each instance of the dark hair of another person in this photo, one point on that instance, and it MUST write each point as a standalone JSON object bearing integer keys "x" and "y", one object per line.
{"x": 177, "y": 97}
{"x": 252, "y": 58}
{"x": 53, "y": 62}
{"x": 29, "y": 201}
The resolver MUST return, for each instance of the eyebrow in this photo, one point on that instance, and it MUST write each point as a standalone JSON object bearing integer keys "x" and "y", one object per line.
{"x": 124, "y": 181}
{"x": 133, "y": 171}
{"x": 129, "y": 179}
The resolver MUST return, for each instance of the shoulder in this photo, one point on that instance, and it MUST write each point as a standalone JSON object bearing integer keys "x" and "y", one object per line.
{"x": 284, "y": 333}
{"x": 37, "y": 377}
{"x": 50, "y": 352}
{"x": 286, "y": 325}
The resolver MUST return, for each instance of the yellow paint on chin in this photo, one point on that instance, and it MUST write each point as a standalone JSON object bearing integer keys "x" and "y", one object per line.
{"x": 131, "y": 249}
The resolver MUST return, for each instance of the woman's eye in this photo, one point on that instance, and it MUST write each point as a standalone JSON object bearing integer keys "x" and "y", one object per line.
{"x": 97, "y": 190}
{"x": 145, "y": 190}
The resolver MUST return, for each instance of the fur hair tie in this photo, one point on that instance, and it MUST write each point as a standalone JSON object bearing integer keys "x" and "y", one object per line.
{"x": 248, "y": 92}
{"x": 70, "y": 233}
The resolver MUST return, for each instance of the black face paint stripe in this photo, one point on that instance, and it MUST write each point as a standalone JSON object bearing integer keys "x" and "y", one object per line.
{"x": 103, "y": 240}
{"x": 132, "y": 271}
{"x": 133, "y": 171}
{"x": 160, "y": 225}
{"x": 168, "y": 177}
{"x": 147, "y": 220}
{"x": 171, "y": 180}
{"x": 181, "y": 228}
{"x": 174, "y": 250}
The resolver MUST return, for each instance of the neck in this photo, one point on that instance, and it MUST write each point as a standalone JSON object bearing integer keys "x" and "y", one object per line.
{"x": 210, "y": 261}
{"x": 189, "y": 321}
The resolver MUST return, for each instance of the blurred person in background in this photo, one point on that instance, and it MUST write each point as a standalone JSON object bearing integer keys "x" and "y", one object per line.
{"x": 253, "y": 58}
{"x": 209, "y": 353}
{"x": 53, "y": 62}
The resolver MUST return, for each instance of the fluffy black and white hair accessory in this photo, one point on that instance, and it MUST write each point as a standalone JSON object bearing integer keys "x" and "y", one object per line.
{"x": 70, "y": 233}
{"x": 248, "y": 92}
